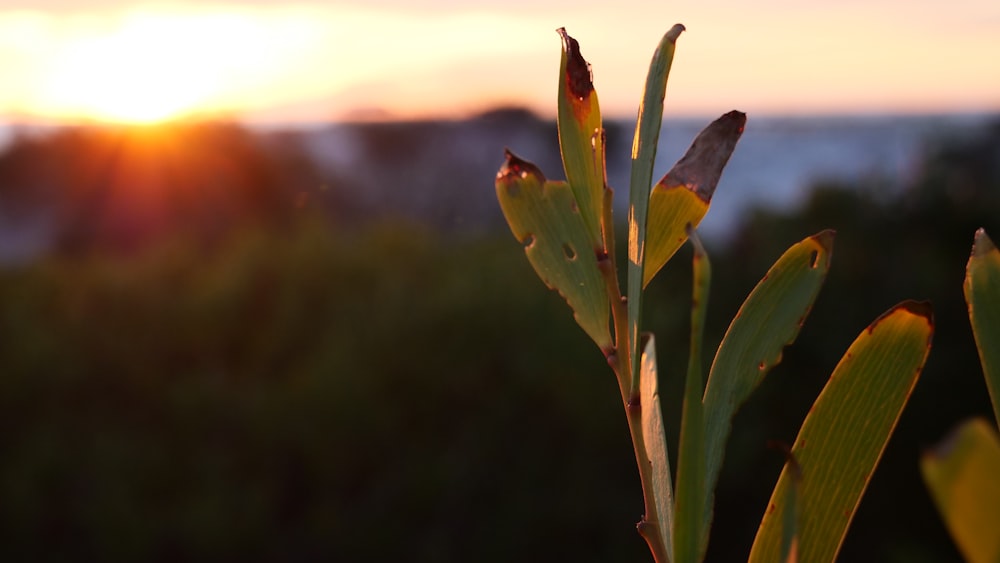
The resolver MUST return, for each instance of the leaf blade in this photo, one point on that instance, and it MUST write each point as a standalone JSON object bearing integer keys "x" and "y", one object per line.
{"x": 982, "y": 294}
{"x": 682, "y": 197}
{"x": 768, "y": 320}
{"x": 647, "y": 133}
{"x": 544, "y": 217}
{"x": 843, "y": 436}
{"x": 655, "y": 440}
{"x": 961, "y": 474}
{"x": 690, "y": 489}
{"x": 581, "y": 134}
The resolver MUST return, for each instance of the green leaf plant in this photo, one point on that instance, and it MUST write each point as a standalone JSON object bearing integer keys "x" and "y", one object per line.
{"x": 963, "y": 472}
{"x": 568, "y": 233}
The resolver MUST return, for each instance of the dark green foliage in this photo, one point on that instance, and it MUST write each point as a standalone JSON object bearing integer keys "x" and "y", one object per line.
{"x": 299, "y": 392}
{"x": 304, "y": 396}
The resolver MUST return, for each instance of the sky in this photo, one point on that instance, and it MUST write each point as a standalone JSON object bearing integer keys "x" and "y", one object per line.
{"x": 315, "y": 61}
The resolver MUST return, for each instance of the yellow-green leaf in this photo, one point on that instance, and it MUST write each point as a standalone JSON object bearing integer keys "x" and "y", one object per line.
{"x": 768, "y": 320}
{"x": 655, "y": 440}
{"x": 963, "y": 475}
{"x": 845, "y": 433}
{"x": 790, "y": 522}
{"x": 681, "y": 198}
{"x": 982, "y": 293}
{"x": 581, "y": 136}
{"x": 690, "y": 486}
{"x": 544, "y": 217}
{"x": 647, "y": 134}
{"x": 790, "y": 527}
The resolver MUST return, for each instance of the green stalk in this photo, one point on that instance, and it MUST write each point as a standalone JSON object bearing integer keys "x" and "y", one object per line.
{"x": 623, "y": 367}
{"x": 606, "y": 264}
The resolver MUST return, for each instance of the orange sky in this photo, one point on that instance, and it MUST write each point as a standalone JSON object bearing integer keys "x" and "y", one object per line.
{"x": 312, "y": 61}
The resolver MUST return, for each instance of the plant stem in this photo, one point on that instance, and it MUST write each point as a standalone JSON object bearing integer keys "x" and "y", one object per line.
{"x": 649, "y": 526}
{"x": 620, "y": 360}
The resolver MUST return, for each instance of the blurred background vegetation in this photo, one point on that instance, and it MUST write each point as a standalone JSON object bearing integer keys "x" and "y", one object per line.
{"x": 217, "y": 351}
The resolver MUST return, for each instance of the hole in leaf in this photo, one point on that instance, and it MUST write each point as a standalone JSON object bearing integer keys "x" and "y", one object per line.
{"x": 528, "y": 241}
{"x": 813, "y": 258}
{"x": 569, "y": 252}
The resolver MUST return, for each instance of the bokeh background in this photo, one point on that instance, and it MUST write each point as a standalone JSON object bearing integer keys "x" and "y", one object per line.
{"x": 298, "y": 329}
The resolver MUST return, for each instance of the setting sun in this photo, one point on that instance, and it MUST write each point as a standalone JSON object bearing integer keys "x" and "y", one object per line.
{"x": 153, "y": 67}
{"x": 134, "y": 75}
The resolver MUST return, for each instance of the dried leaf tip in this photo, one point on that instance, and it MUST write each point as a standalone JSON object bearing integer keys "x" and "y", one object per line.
{"x": 577, "y": 77}
{"x": 701, "y": 166}
{"x": 982, "y": 245}
{"x": 735, "y": 119}
{"x": 516, "y": 167}
{"x": 825, "y": 239}
{"x": 919, "y": 308}
{"x": 675, "y": 32}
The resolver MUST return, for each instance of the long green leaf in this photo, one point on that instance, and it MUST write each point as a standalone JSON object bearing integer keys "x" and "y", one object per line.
{"x": 982, "y": 293}
{"x": 647, "y": 133}
{"x": 691, "y": 449}
{"x": 845, "y": 433}
{"x": 768, "y": 320}
{"x": 790, "y": 525}
{"x": 681, "y": 198}
{"x": 581, "y": 136}
{"x": 963, "y": 475}
{"x": 655, "y": 440}
{"x": 545, "y": 218}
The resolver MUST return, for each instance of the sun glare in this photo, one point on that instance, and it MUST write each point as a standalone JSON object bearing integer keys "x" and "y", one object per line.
{"x": 156, "y": 67}
{"x": 297, "y": 61}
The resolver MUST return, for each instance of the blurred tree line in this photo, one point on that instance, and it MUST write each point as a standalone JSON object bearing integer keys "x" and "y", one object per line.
{"x": 219, "y": 361}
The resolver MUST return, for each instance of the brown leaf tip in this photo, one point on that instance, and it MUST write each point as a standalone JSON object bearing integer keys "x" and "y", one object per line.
{"x": 982, "y": 245}
{"x": 701, "y": 166}
{"x": 675, "y": 32}
{"x": 825, "y": 240}
{"x": 516, "y": 167}
{"x": 735, "y": 119}
{"x": 917, "y": 308}
{"x": 578, "y": 78}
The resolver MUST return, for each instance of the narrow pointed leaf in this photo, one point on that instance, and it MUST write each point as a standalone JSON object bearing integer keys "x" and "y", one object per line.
{"x": 581, "y": 137}
{"x": 655, "y": 440}
{"x": 681, "y": 198}
{"x": 647, "y": 133}
{"x": 544, "y": 217}
{"x": 982, "y": 293}
{"x": 790, "y": 526}
{"x": 845, "y": 433}
{"x": 963, "y": 475}
{"x": 690, "y": 490}
{"x": 768, "y": 320}
{"x": 789, "y": 547}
